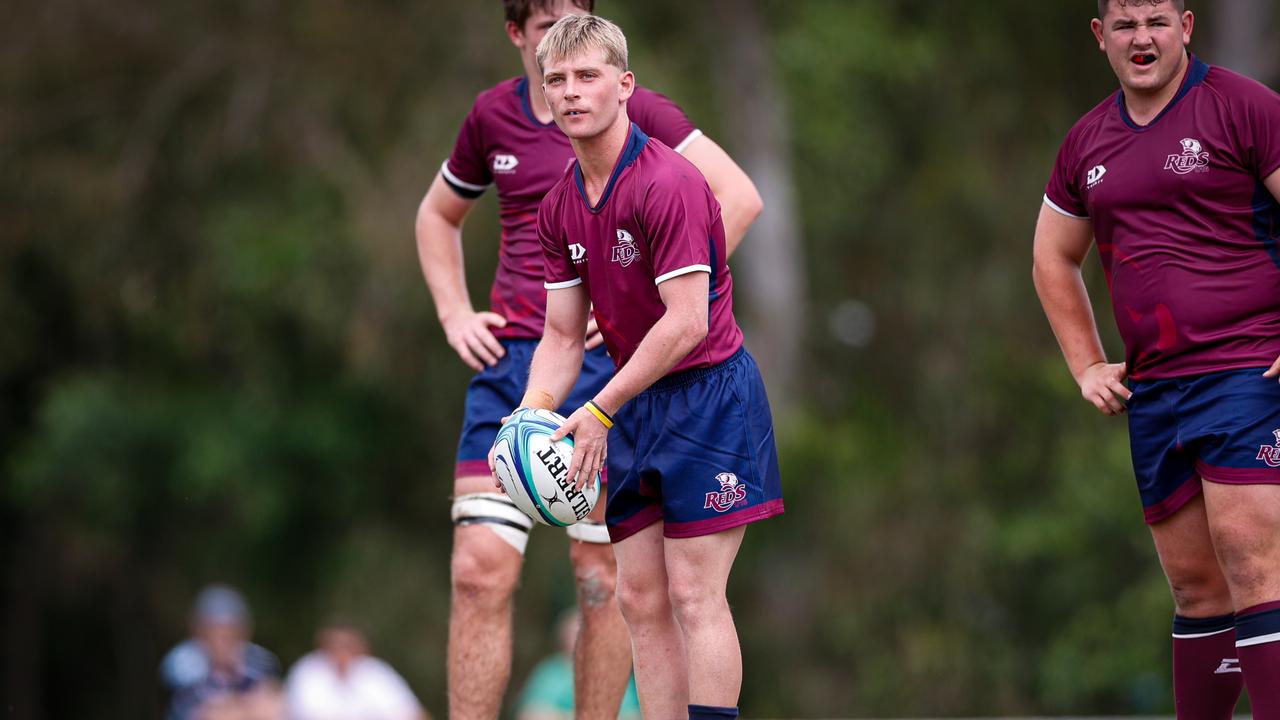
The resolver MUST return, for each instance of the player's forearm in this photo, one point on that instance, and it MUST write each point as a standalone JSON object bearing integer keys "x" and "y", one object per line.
{"x": 669, "y": 341}
{"x": 556, "y": 363}
{"x": 440, "y": 255}
{"x": 1065, "y": 299}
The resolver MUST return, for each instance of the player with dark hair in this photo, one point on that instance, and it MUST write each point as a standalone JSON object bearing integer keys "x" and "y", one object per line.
{"x": 633, "y": 230}
{"x": 509, "y": 140}
{"x": 1177, "y": 177}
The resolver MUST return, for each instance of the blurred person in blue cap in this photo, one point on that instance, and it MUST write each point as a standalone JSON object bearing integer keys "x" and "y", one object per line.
{"x": 218, "y": 672}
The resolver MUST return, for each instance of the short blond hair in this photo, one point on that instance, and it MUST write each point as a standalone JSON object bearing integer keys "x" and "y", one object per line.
{"x": 574, "y": 33}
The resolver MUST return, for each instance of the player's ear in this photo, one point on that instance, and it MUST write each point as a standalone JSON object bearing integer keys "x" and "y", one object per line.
{"x": 1188, "y": 24}
{"x": 626, "y": 85}
{"x": 1096, "y": 26}
{"x": 515, "y": 34}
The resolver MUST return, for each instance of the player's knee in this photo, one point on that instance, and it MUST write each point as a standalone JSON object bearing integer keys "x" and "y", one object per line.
{"x": 1249, "y": 558}
{"x": 595, "y": 575}
{"x": 483, "y": 569}
{"x": 642, "y": 601}
{"x": 694, "y": 603}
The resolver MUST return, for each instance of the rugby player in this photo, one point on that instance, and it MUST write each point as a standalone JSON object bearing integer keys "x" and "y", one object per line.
{"x": 509, "y": 140}
{"x": 633, "y": 231}
{"x": 1176, "y": 177}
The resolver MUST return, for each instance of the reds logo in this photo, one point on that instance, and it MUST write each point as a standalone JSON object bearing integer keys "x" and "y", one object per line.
{"x": 1193, "y": 157}
{"x": 1270, "y": 454}
{"x": 625, "y": 251}
{"x": 731, "y": 493}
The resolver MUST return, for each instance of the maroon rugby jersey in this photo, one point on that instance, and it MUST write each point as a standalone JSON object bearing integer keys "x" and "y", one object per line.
{"x": 502, "y": 142}
{"x": 656, "y": 220}
{"x": 1186, "y": 231}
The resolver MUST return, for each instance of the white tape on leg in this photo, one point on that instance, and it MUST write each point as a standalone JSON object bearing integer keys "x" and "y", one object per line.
{"x": 496, "y": 512}
{"x": 589, "y": 531}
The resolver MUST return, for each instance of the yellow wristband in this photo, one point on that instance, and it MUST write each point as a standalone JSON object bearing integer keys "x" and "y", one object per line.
{"x": 601, "y": 415}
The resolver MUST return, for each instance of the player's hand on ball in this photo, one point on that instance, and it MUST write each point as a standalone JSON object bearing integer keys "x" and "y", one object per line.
{"x": 590, "y": 441}
{"x": 492, "y": 472}
{"x": 469, "y": 335}
{"x": 1274, "y": 371}
{"x": 1103, "y": 385}
{"x": 594, "y": 338}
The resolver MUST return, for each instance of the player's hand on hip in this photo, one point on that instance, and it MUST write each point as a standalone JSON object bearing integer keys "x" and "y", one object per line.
{"x": 469, "y": 335}
{"x": 1103, "y": 385}
{"x": 590, "y": 442}
{"x": 594, "y": 338}
{"x": 1274, "y": 371}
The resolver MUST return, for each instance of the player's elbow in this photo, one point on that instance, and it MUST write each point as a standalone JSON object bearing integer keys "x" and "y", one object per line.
{"x": 752, "y": 203}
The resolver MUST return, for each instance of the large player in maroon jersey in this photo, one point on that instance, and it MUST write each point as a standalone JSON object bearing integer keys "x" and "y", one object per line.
{"x": 509, "y": 140}
{"x": 1176, "y": 178}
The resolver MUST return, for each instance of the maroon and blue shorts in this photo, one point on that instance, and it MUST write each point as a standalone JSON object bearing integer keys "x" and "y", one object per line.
{"x": 695, "y": 451}
{"x": 1222, "y": 426}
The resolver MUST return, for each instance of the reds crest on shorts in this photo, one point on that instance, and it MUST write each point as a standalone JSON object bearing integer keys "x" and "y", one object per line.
{"x": 1270, "y": 454}
{"x": 731, "y": 493}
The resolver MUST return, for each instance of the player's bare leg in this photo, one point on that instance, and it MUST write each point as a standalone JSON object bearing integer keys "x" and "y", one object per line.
{"x": 698, "y": 571}
{"x": 602, "y": 654}
{"x": 1206, "y": 671}
{"x": 658, "y": 650}
{"x": 484, "y": 572}
{"x": 1190, "y": 563}
{"x": 1245, "y": 521}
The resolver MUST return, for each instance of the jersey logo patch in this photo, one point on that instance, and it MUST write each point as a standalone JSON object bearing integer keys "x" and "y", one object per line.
{"x": 731, "y": 493}
{"x": 1095, "y": 176}
{"x": 577, "y": 253}
{"x": 625, "y": 251}
{"x": 1192, "y": 158}
{"x": 505, "y": 163}
{"x": 1270, "y": 454}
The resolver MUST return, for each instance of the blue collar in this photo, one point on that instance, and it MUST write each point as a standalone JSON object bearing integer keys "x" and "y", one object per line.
{"x": 522, "y": 89}
{"x": 1195, "y": 75}
{"x": 635, "y": 143}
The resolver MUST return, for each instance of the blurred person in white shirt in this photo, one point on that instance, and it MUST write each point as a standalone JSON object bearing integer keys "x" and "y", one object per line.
{"x": 342, "y": 681}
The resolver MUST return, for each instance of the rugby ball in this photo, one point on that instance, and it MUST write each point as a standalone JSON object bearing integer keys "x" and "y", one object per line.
{"x": 534, "y": 471}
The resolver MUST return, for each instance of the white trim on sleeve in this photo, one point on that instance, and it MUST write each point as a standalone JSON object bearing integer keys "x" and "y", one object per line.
{"x": 688, "y": 139}
{"x": 1054, "y": 205}
{"x": 562, "y": 285}
{"x": 453, "y": 179}
{"x": 682, "y": 271}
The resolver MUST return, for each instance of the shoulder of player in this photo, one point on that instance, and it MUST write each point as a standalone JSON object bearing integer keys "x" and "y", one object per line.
{"x": 645, "y": 96}
{"x": 554, "y": 200}
{"x": 1093, "y": 119}
{"x": 1228, "y": 86}
{"x": 496, "y": 96}
{"x": 662, "y": 165}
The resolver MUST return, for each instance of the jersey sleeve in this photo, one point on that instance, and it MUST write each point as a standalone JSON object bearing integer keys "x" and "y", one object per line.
{"x": 1063, "y": 191}
{"x": 1260, "y": 116}
{"x": 661, "y": 118}
{"x": 467, "y": 169}
{"x": 677, "y": 222}
{"x": 559, "y": 272}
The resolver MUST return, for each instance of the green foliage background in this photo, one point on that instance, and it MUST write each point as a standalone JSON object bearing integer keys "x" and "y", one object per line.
{"x": 219, "y": 361}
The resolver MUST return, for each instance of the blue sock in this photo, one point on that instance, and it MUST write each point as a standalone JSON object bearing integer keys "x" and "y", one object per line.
{"x": 711, "y": 712}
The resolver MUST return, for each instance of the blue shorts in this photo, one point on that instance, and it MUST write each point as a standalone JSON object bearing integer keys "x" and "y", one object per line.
{"x": 495, "y": 391}
{"x": 1221, "y": 426}
{"x": 696, "y": 451}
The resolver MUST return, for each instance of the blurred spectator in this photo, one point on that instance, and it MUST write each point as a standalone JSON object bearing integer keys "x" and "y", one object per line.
{"x": 548, "y": 693}
{"x": 217, "y": 674}
{"x": 342, "y": 681}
